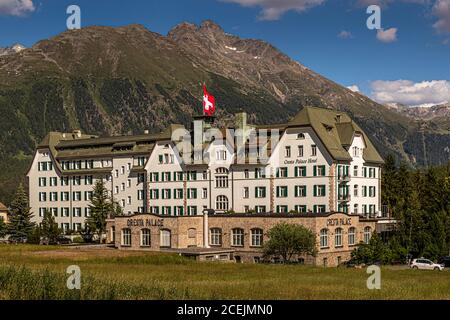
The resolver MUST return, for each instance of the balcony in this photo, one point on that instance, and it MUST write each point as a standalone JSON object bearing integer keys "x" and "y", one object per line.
{"x": 343, "y": 178}
{"x": 344, "y": 197}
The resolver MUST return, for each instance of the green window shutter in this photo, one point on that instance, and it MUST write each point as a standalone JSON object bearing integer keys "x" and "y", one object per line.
{"x": 315, "y": 171}
{"x": 296, "y": 191}
{"x": 264, "y": 192}
{"x": 296, "y": 171}
{"x": 304, "y": 191}
{"x": 324, "y": 169}
{"x": 195, "y": 193}
{"x": 160, "y": 158}
{"x": 315, "y": 191}
{"x": 256, "y": 192}
{"x": 169, "y": 194}
{"x": 169, "y": 176}
{"x": 278, "y": 173}
{"x": 278, "y": 191}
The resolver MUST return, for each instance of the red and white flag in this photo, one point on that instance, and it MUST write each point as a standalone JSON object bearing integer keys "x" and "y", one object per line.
{"x": 209, "y": 105}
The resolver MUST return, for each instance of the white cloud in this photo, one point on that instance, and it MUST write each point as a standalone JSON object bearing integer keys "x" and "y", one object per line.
{"x": 441, "y": 10}
{"x": 353, "y": 88}
{"x": 425, "y": 93}
{"x": 16, "y": 7}
{"x": 274, "y": 9}
{"x": 345, "y": 35}
{"x": 388, "y": 35}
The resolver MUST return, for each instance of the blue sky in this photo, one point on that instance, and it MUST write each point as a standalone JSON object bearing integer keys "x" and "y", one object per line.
{"x": 328, "y": 36}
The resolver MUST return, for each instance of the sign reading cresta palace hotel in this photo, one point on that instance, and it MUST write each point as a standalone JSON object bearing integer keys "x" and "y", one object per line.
{"x": 319, "y": 170}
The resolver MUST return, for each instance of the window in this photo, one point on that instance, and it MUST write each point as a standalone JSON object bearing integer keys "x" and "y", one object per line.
{"x": 300, "y": 171}
{"x": 221, "y": 155}
{"x": 313, "y": 150}
{"x": 319, "y": 208}
{"x": 215, "y": 236}
{"x": 140, "y": 195}
{"x": 88, "y": 180}
{"x": 282, "y": 209}
{"x": 222, "y": 182}
{"x": 204, "y": 193}
{"x": 257, "y": 237}
{"x": 300, "y": 208}
{"x": 260, "y": 173}
{"x": 154, "y": 194}
{"x": 245, "y": 193}
{"x": 355, "y": 171}
{"x": 192, "y": 193}
{"x": 178, "y": 210}
{"x": 126, "y": 237}
{"x": 141, "y": 177}
{"x": 237, "y": 237}
{"x": 355, "y": 208}
{"x": 351, "y": 236}
{"x": 246, "y": 174}
{"x": 154, "y": 177}
{"x": 260, "y": 209}
{"x": 282, "y": 172}
{"x": 324, "y": 238}
{"x": 367, "y": 234}
{"x": 76, "y": 196}
{"x": 319, "y": 171}
{"x": 364, "y": 191}
{"x": 88, "y": 195}
{"x": 145, "y": 238}
{"x": 222, "y": 203}
{"x": 42, "y": 196}
{"x": 65, "y": 196}
{"x": 355, "y": 190}
{"x": 53, "y": 196}
{"x": 355, "y": 152}
{"x": 287, "y": 152}
{"x": 87, "y": 212}
{"x": 205, "y": 175}
{"x": 300, "y": 191}
{"x": 165, "y": 239}
{"x": 65, "y": 212}
{"x": 319, "y": 190}
{"x": 260, "y": 192}
{"x": 77, "y": 181}
{"x": 300, "y": 151}
{"x": 338, "y": 237}
{"x": 192, "y": 210}
{"x": 129, "y": 200}
{"x": 53, "y": 182}
{"x": 282, "y": 191}
{"x": 301, "y": 136}
{"x": 76, "y": 212}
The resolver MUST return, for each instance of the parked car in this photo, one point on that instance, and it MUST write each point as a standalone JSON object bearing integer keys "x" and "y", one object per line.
{"x": 445, "y": 261}
{"x": 426, "y": 264}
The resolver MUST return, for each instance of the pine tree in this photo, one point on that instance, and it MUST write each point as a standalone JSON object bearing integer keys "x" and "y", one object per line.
{"x": 2, "y": 228}
{"x": 49, "y": 230}
{"x": 101, "y": 207}
{"x": 20, "y": 225}
{"x": 389, "y": 182}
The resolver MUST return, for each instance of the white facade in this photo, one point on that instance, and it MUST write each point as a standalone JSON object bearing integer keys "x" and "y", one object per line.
{"x": 301, "y": 175}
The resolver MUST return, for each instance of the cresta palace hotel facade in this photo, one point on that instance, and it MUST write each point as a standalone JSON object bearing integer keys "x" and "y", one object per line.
{"x": 321, "y": 171}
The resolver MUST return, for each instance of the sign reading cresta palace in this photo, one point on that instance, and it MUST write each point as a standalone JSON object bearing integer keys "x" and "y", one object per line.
{"x": 145, "y": 222}
{"x": 339, "y": 222}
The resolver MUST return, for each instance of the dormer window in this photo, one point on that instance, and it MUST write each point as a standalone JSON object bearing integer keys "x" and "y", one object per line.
{"x": 355, "y": 152}
{"x": 301, "y": 136}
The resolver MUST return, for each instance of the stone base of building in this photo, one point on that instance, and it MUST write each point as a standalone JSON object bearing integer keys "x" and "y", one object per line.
{"x": 213, "y": 237}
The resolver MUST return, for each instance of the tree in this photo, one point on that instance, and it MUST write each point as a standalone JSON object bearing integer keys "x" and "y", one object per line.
{"x": 101, "y": 206}
{"x": 49, "y": 230}
{"x": 20, "y": 225}
{"x": 287, "y": 240}
{"x": 373, "y": 252}
{"x": 2, "y": 228}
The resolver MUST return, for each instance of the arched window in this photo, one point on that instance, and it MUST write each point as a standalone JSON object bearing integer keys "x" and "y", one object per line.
{"x": 222, "y": 203}
{"x": 145, "y": 238}
{"x": 221, "y": 170}
{"x": 367, "y": 234}
{"x": 257, "y": 237}
{"x": 215, "y": 236}
{"x": 324, "y": 238}
{"x": 237, "y": 237}
{"x": 165, "y": 236}
{"x": 351, "y": 236}
{"x": 126, "y": 237}
{"x": 338, "y": 237}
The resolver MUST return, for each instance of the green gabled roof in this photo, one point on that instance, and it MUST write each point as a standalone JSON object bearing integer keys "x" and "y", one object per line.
{"x": 336, "y": 130}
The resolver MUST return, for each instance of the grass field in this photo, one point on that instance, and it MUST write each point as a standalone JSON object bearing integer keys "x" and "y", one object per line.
{"x": 37, "y": 272}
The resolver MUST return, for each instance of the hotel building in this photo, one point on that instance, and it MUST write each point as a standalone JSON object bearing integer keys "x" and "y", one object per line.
{"x": 318, "y": 163}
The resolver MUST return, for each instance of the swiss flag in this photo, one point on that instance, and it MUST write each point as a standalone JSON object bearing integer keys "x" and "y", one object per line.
{"x": 209, "y": 106}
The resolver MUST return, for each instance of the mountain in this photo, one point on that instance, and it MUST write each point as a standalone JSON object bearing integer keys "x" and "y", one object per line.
{"x": 11, "y": 50}
{"x": 441, "y": 111}
{"x": 106, "y": 80}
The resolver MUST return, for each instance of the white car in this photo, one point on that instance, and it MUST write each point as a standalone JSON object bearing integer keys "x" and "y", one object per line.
{"x": 426, "y": 264}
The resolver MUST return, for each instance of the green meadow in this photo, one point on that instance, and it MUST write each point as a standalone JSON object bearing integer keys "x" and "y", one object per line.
{"x": 39, "y": 272}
